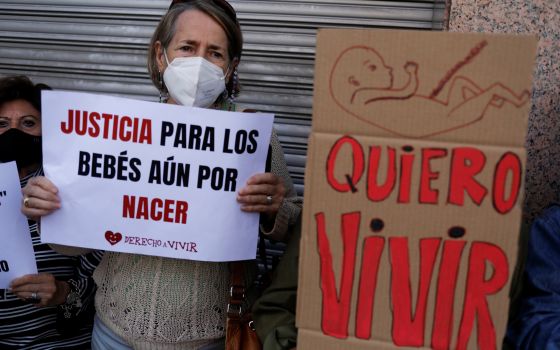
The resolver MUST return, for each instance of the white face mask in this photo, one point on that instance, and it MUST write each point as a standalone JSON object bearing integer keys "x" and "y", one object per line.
{"x": 193, "y": 81}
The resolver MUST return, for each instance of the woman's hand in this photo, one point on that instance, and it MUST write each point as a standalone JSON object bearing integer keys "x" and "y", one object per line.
{"x": 40, "y": 198}
{"x": 41, "y": 289}
{"x": 263, "y": 193}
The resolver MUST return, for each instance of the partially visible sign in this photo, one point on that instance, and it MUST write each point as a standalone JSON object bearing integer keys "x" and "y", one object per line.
{"x": 16, "y": 251}
{"x": 151, "y": 178}
{"x": 413, "y": 189}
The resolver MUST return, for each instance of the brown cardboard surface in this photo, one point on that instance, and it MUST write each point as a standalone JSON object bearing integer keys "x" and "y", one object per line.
{"x": 411, "y": 217}
{"x": 480, "y": 83}
{"x": 315, "y": 340}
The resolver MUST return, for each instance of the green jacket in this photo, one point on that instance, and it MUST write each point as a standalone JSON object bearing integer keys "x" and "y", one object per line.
{"x": 274, "y": 313}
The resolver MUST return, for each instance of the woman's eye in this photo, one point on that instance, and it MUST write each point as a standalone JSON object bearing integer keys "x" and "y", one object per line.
{"x": 372, "y": 67}
{"x": 29, "y": 122}
{"x": 187, "y": 49}
{"x": 217, "y": 54}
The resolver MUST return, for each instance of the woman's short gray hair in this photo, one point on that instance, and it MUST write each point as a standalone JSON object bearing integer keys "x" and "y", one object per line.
{"x": 166, "y": 28}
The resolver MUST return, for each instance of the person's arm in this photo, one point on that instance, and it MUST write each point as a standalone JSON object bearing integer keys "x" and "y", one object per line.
{"x": 536, "y": 324}
{"x": 70, "y": 295}
{"x": 272, "y": 194}
{"x": 82, "y": 286}
{"x": 290, "y": 207}
{"x": 41, "y": 289}
{"x": 274, "y": 313}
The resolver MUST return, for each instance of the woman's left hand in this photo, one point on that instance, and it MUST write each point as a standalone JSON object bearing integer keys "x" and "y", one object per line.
{"x": 48, "y": 290}
{"x": 263, "y": 193}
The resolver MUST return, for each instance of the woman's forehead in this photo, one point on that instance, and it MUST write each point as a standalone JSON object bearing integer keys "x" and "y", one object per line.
{"x": 18, "y": 108}
{"x": 197, "y": 26}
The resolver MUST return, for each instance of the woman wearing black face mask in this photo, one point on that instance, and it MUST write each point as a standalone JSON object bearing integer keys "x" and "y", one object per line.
{"x": 20, "y": 123}
{"x": 51, "y": 309}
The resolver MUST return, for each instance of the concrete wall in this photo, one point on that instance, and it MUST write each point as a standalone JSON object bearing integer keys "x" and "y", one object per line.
{"x": 540, "y": 17}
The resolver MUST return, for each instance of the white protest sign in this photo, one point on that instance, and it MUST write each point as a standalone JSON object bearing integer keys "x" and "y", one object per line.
{"x": 151, "y": 178}
{"x": 16, "y": 251}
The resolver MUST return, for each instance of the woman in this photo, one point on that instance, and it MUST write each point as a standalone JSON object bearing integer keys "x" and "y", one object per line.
{"x": 51, "y": 309}
{"x": 148, "y": 302}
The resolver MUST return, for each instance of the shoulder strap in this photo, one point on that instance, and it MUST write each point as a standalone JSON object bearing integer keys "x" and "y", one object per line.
{"x": 237, "y": 289}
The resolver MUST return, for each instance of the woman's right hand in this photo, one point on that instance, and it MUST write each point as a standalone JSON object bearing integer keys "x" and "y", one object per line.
{"x": 40, "y": 198}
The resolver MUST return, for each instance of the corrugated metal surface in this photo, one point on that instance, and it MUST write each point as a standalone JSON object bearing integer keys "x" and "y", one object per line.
{"x": 100, "y": 46}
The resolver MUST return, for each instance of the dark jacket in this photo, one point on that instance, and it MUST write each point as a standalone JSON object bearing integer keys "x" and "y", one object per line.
{"x": 274, "y": 312}
{"x": 535, "y": 323}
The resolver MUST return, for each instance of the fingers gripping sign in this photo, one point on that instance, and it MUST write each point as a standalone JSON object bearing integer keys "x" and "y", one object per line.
{"x": 41, "y": 289}
{"x": 263, "y": 193}
{"x": 40, "y": 198}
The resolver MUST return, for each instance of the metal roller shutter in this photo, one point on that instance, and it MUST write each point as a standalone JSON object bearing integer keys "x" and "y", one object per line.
{"x": 100, "y": 46}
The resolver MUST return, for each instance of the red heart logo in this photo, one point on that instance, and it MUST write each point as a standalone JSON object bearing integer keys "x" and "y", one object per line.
{"x": 113, "y": 238}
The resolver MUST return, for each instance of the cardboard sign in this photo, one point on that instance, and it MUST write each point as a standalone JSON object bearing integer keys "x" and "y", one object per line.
{"x": 16, "y": 251}
{"x": 413, "y": 189}
{"x": 151, "y": 178}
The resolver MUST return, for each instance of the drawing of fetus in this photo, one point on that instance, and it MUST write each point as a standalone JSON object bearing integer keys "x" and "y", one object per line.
{"x": 363, "y": 84}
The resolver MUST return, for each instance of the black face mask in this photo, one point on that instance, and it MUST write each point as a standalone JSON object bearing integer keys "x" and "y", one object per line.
{"x": 17, "y": 145}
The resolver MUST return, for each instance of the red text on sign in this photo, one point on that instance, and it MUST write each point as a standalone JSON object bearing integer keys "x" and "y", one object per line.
{"x": 155, "y": 209}
{"x": 465, "y": 167}
{"x": 408, "y": 323}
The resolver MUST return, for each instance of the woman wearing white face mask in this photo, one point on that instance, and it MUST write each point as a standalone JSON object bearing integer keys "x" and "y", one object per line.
{"x": 148, "y": 302}
{"x": 193, "y": 81}
{"x": 193, "y": 59}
